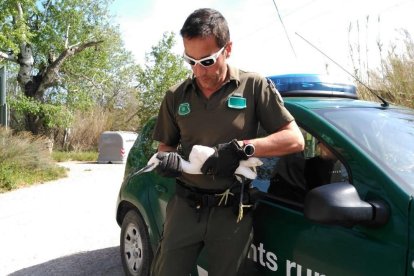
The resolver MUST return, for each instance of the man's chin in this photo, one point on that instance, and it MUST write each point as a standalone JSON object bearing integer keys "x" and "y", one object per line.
{"x": 204, "y": 83}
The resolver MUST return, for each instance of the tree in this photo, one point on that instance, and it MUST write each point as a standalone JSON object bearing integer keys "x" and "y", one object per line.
{"x": 162, "y": 70}
{"x": 67, "y": 56}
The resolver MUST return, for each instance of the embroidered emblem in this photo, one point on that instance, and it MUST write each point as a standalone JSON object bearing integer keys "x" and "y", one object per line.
{"x": 184, "y": 109}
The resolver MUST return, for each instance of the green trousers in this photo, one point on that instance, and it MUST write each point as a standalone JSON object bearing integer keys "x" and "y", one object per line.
{"x": 187, "y": 232}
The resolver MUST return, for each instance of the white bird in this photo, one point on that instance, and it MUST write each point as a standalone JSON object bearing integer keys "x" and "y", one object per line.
{"x": 198, "y": 156}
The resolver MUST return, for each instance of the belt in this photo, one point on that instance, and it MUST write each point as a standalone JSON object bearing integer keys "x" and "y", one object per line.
{"x": 205, "y": 198}
{"x": 237, "y": 196}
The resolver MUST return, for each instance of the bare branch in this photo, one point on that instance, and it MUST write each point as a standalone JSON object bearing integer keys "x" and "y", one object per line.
{"x": 67, "y": 37}
{"x": 96, "y": 85}
{"x": 19, "y": 10}
{"x": 51, "y": 73}
{"x": 77, "y": 49}
{"x": 73, "y": 46}
{"x": 47, "y": 4}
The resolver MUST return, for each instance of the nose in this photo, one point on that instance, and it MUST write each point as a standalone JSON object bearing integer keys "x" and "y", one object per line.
{"x": 198, "y": 69}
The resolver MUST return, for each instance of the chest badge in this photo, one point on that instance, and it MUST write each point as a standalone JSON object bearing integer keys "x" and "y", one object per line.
{"x": 184, "y": 109}
{"x": 236, "y": 102}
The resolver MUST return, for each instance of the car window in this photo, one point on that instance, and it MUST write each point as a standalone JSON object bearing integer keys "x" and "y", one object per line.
{"x": 292, "y": 176}
{"x": 385, "y": 134}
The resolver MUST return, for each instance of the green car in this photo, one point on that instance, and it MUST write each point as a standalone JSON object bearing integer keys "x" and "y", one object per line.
{"x": 343, "y": 206}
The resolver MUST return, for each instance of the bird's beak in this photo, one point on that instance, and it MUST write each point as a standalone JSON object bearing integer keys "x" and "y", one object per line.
{"x": 145, "y": 169}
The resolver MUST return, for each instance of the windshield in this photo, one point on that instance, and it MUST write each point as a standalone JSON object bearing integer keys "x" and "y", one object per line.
{"x": 386, "y": 134}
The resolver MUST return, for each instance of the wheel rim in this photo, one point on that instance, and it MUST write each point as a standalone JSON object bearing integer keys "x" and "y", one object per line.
{"x": 133, "y": 250}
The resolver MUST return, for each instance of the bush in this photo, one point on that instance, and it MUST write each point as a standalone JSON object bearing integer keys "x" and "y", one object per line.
{"x": 393, "y": 80}
{"x": 25, "y": 159}
{"x": 86, "y": 129}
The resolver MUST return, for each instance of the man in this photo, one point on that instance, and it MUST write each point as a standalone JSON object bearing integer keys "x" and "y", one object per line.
{"x": 220, "y": 107}
{"x": 295, "y": 176}
{"x": 324, "y": 168}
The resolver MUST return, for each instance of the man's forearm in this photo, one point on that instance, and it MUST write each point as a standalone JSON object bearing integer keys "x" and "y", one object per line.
{"x": 287, "y": 140}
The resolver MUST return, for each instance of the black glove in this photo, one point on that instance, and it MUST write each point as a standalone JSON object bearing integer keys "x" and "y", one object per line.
{"x": 170, "y": 164}
{"x": 225, "y": 160}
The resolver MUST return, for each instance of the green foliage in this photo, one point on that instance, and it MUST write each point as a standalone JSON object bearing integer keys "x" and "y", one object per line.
{"x": 76, "y": 21}
{"x": 52, "y": 115}
{"x": 44, "y": 23}
{"x": 163, "y": 69}
{"x": 106, "y": 77}
{"x": 13, "y": 30}
{"x": 25, "y": 159}
{"x": 103, "y": 75}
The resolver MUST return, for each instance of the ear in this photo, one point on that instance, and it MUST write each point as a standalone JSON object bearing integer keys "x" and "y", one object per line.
{"x": 227, "y": 51}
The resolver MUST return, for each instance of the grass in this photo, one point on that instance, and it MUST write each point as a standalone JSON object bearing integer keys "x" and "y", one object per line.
{"x": 25, "y": 160}
{"x": 14, "y": 177}
{"x": 62, "y": 156}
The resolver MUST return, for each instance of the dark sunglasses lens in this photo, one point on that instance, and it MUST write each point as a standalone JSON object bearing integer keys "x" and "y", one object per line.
{"x": 208, "y": 62}
{"x": 189, "y": 61}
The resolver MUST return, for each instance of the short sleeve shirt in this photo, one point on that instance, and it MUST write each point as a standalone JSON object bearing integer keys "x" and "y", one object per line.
{"x": 188, "y": 118}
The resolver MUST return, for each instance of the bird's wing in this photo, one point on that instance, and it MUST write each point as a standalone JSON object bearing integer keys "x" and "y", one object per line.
{"x": 246, "y": 172}
{"x": 251, "y": 162}
{"x": 191, "y": 168}
{"x": 199, "y": 154}
{"x": 197, "y": 157}
{"x": 247, "y": 167}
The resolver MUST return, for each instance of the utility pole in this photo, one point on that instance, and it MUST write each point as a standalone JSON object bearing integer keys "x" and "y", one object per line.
{"x": 3, "y": 104}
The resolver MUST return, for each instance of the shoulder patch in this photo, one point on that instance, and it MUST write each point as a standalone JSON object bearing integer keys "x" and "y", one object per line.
{"x": 184, "y": 109}
{"x": 274, "y": 89}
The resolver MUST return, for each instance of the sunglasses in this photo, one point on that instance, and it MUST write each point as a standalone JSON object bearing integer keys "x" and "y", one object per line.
{"x": 205, "y": 62}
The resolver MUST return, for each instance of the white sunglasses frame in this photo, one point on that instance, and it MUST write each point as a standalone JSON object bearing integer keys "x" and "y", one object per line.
{"x": 214, "y": 57}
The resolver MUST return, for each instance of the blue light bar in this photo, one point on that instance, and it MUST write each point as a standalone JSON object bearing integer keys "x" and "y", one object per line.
{"x": 314, "y": 85}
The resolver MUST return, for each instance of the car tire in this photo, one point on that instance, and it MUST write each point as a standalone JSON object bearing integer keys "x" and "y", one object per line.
{"x": 136, "y": 252}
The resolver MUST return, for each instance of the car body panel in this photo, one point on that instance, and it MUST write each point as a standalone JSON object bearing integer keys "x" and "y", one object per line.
{"x": 300, "y": 244}
{"x": 285, "y": 242}
{"x": 410, "y": 257}
{"x": 305, "y": 248}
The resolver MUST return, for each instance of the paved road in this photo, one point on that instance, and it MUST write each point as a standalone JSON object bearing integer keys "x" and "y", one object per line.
{"x": 63, "y": 227}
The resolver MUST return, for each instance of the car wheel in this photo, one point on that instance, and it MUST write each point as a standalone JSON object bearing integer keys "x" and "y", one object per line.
{"x": 136, "y": 252}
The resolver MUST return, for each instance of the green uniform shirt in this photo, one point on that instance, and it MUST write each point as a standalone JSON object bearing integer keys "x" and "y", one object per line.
{"x": 186, "y": 117}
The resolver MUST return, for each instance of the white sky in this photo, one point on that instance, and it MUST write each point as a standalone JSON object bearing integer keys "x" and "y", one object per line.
{"x": 259, "y": 41}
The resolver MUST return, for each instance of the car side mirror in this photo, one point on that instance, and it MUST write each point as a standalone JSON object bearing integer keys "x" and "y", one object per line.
{"x": 340, "y": 204}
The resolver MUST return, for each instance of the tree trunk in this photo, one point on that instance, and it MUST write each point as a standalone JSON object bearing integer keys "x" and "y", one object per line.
{"x": 28, "y": 83}
{"x": 34, "y": 86}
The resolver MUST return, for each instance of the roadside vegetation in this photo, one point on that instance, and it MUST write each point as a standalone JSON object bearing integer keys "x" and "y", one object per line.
{"x": 69, "y": 79}
{"x": 393, "y": 78}
{"x": 85, "y": 156}
{"x": 25, "y": 159}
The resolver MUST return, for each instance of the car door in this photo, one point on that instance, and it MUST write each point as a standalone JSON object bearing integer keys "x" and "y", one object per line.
{"x": 286, "y": 243}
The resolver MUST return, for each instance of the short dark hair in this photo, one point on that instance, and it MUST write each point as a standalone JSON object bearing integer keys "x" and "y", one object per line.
{"x": 205, "y": 22}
